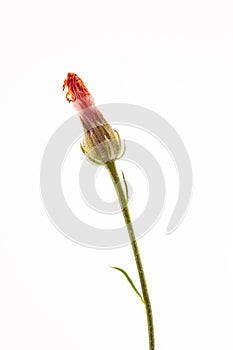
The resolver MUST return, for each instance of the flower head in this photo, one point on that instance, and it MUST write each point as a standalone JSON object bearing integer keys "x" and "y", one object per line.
{"x": 101, "y": 143}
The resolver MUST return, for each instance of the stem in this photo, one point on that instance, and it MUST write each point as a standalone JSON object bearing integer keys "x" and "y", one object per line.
{"x": 125, "y": 211}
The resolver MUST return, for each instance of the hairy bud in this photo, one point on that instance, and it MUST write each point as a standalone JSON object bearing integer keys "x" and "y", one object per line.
{"x": 101, "y": 143}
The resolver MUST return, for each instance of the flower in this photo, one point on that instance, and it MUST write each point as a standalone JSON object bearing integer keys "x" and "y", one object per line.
{"x": 101, "y": 143}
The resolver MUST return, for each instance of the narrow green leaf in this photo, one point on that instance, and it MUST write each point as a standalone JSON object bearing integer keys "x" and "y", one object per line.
{"x": 126, "y": 187}
{"x": 130, "y": 281}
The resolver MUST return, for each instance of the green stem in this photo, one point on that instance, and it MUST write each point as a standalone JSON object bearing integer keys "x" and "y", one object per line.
{"x": 125, "y": 211}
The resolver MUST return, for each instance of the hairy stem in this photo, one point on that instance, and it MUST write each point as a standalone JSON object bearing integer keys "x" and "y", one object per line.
{"x": 111, "y": 167}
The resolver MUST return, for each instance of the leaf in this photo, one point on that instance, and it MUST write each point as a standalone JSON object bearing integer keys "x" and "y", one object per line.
{"x": 130, "y": 281}
{"x": 126, "y": 187}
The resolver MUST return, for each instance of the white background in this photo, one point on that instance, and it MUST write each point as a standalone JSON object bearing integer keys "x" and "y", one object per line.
{"x": 174, "y": 57}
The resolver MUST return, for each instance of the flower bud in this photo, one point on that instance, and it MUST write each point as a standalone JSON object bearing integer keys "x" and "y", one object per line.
{"x": 101, "y": 143}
